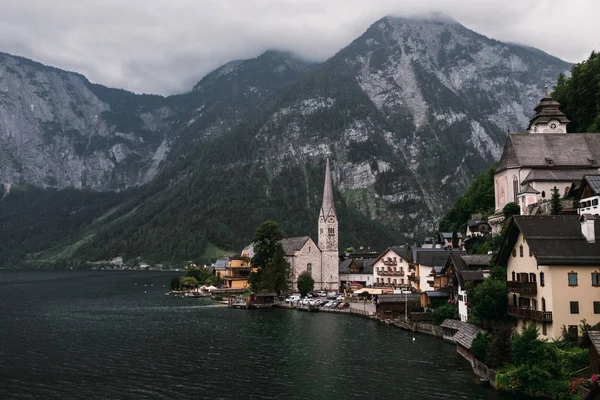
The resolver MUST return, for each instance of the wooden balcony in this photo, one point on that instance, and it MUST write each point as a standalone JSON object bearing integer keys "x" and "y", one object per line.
{"x": 390, "y": 262}
{"x": 412, "y": 277}
{"x": 390, "y": 273}
{"x": 522, "y": 287}
{"x": 519, "y": 312}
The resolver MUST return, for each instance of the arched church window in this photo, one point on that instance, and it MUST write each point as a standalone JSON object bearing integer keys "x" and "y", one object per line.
{"x": 331, "y": 231}
{"x": 515, "y": 188}
{"x": 309, "y": 268}
{"x": 543, "y": 194}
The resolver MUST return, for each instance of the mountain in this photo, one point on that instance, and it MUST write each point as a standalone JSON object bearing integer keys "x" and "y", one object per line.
{"x": 408, "y": 113}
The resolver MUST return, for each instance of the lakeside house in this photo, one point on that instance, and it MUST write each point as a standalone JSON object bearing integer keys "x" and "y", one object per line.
{"x": 396, "y": 306}
{"x": 391, "y": 267}
{"x": 553, "y": 271}
{"x": 459, "y": 270}
{"x": 464, "y": 339}
{"x": 428, "y": 263}
{"x": 237, "y": 272}
{"x": 354, "y": 272}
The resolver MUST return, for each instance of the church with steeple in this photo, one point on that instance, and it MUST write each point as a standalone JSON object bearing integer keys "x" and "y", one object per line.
{"x": 320, "y": 260}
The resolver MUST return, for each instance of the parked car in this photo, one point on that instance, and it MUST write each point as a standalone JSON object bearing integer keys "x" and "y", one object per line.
{"x": 332, "y": 295}
{"x": 322, "y": 293}
{"x": 293, "y": 298}
{"x": 334, "y": 304}
{"x": 326, "y": 303}
{"x": 340, "y": 297}
{"x": 343, "y": 305}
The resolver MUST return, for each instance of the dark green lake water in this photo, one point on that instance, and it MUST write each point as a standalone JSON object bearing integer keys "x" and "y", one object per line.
{"x": 116, "y": 335}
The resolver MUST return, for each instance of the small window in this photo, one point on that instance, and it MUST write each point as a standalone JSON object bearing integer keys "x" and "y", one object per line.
{"x": 542, "y": 281}
{"x": 595, "y": 202}
{"x": 572, "y": 278}
{"x": 574, "y": 307}
{"x": 597, "y": 307}
{"x": 309, "y": 268}
{"x": 543, "y": 304}
{"x": 532, "y": 277}
{"x": 513, "y": 276}
{"x": 521, "y": 250}
{"x": 514, "y": 252}
{"x": 544, "y": 330}
{"x": 543, "y": 194}
{"x": 595, "y": 279}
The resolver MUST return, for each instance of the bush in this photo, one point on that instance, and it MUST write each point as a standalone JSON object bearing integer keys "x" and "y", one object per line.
{"x": 526, "y": 348}
{"x": 446, "y": 311}
{"x": 480, "y": 345}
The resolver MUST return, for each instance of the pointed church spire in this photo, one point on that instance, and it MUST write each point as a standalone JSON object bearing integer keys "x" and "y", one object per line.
{"x": 328, "y": 207}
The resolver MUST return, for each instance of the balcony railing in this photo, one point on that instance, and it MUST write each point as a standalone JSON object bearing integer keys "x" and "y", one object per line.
{"x": 391, "y": 273}
{"x": 413, "y": 277}
{"x": 524, "y": 313}
{"x": 389, "y": 262}
{"x": 522, "y": 287}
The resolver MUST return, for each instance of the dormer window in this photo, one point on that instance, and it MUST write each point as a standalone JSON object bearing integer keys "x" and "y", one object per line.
{"x": 592, "y": 161}
{"x": 549, "y": 161}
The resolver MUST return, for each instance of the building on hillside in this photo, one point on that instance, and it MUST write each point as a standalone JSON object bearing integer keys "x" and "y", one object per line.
{"x": 553, "y": 271}
{"x": 428, "y": 264}
{"x": 477, "y": 226}
{"x": 542, "y": 158}
{"x": 446, "y": 240}
{"x": 237, "y": 272}
{"x": 587, "y": 195}
{"x": 459, "y": 270}
{"x": 392, "y": 267}
{"x": 429, "y": 243}
{"x": 363, "y": 253}
{"x": 322, "y": 260}
{"x": 354, "y": 273}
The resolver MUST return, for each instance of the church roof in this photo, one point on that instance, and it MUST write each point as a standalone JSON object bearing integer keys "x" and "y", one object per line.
{"x": 553, "y": 175}
{"x": 557, "y": 150}
{"x": 328, "y": 207}
{"x": 528, "y": 189}
{"x": 293, "y": 244}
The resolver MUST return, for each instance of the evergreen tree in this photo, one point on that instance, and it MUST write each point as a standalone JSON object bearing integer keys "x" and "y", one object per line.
{"x": 306, "y": 283}
{"x": 273, "y": 269}
{"x": 555, "y": 202}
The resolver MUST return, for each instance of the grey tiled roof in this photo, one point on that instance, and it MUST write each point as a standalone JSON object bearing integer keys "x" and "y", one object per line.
{"x": 466, "y": 334}
{"x": 437, "y": 294}
{"x": 553, "y": 240}
{"x": 477, "y": 260}
{"x": 528, "y": 189}
{"x": 398, "y": 298}
{"x": 564, "y": 150}
{"x": 433, "y": 258}
{"x": 594, "y": 337}
{"x": 593, "y": 182}
{"x": 453, "y": 324}
{"x": 293, "y": 244}
{"x": 551, "y": 175}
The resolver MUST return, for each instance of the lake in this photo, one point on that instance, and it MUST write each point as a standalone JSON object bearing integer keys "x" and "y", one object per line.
{"x": 116, "y": 335}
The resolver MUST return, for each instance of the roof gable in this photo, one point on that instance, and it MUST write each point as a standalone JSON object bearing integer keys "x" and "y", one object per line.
{"x": 403, "y": 252}
{"x": 294, "y": 244}
{"x": 436, "y": 257}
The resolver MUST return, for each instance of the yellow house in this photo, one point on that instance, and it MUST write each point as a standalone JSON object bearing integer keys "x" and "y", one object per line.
{"x": 553, "y": 272}
{"x": 237, "y": 272}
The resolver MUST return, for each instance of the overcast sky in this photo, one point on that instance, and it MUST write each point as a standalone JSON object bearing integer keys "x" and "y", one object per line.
{"x": 165, "y": 46}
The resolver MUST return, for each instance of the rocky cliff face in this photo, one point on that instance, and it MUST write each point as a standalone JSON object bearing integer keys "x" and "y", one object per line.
{"x": 57, "y": 129}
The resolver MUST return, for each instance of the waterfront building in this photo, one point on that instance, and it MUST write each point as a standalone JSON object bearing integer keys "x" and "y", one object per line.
{"x": 553, "y": 271}
{"x": 428, "y": 264}
{"x": 459, "y": 270}
{"x": 391, "y": 268}
{"x": 544, "y": 157}
{"x": 320, "y": 260}
{"x": 304, "y": 256}
{"x": 237, "y": 272}
{"x": 394, "y": 306}
{"x": 464, "y": 339}
{"x": 356, "y": 271}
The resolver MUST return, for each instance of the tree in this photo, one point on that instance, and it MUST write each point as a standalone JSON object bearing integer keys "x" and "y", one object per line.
{"x": 445, "y": 311}
{"x": 525, "y": 348}
{"x": 556, "y": 205}
{"x": 489, "y": 300}
{"x": 454, "y": 240}
{"x": 276, "y": 273}
{"x": 266, "y": 241}
{"x": 306, "y": 283}
{"x": 511, "y": 209}
{"x": 480, "y": 345}
{"x": 188, "y": 282}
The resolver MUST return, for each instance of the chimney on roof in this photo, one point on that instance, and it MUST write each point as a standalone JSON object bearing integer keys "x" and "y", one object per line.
{"x": 587, "y": 227}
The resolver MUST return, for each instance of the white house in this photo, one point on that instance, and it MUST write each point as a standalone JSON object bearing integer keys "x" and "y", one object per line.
{"x": 391, "y": 268}
{"x": 589, "y": 195}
